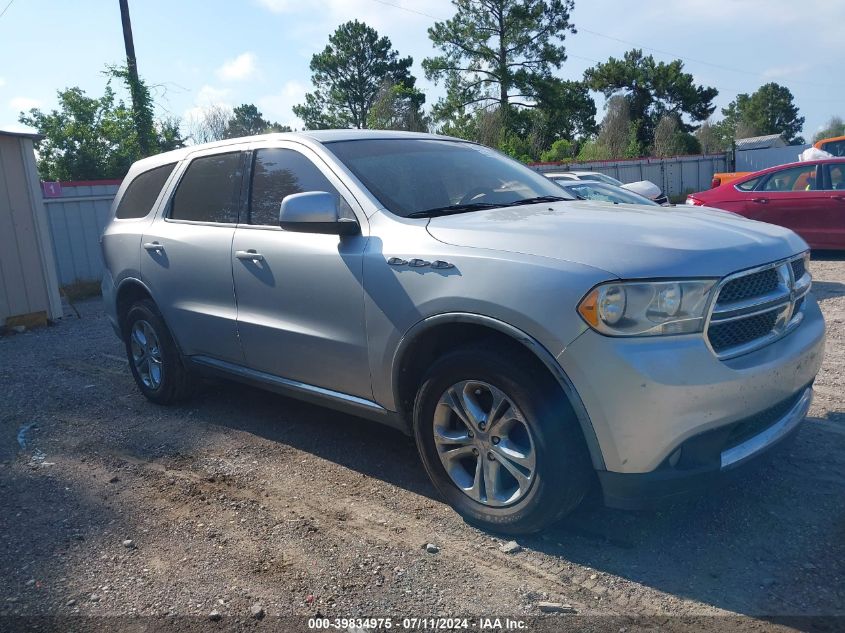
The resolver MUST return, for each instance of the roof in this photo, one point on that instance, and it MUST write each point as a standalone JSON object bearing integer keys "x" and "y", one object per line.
{"x": 318, "y": 136}
{"x": 836, "y": 160}
{"x": 31, "y": 135}
{"x": 760, "y": 142}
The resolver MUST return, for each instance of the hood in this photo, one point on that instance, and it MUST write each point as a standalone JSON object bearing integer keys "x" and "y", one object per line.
{"x": 629, "y": 241}
{"x": 644, "y": 188}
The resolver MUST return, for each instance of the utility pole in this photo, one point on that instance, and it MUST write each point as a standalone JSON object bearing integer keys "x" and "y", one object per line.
{"x": 143, "y": 122}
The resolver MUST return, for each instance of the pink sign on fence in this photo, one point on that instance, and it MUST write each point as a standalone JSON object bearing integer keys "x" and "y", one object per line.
{"x": 52, "y": 189}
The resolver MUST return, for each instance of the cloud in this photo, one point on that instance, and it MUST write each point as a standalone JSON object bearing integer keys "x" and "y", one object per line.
{"x": 238, "y": 69}
{"x": 279, "y": 6}
{"x": 279, "y": 106}
{"x": 791, "y": 70}
{"x": 209, "y": 95}
{"x": 2, "y": 82}
{"x": 23, "y": 103}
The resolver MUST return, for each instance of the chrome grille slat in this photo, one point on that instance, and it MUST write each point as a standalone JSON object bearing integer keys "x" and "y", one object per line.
{"x": 756, "y": 307}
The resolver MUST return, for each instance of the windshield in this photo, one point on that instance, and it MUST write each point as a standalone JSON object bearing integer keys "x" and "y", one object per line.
{"x": 412, "y": 177}
{"x": 594, "y": 190}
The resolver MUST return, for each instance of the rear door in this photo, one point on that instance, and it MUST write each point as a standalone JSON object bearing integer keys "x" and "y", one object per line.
{"x": 792, "y": 198}
{"x": 186, "y": 255}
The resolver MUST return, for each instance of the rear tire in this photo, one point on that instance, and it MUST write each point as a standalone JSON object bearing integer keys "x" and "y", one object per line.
{"x": 154, "y": 359}
{"x": 525, "y": 470}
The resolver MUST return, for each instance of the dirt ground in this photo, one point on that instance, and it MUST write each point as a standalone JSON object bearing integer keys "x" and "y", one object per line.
{"x": 113, "y": 506}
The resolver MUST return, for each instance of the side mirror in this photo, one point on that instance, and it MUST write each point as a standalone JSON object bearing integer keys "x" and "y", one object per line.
{"x": 314, "y": 212}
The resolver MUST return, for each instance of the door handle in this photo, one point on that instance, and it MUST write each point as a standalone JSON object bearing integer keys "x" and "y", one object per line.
{"x": 154, "y": 247}
{"x": 760, "y": 200}
{"x": 251, "y": 255}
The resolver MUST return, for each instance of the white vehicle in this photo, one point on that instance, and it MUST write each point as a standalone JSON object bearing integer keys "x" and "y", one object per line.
{"x": 645, "y": 188}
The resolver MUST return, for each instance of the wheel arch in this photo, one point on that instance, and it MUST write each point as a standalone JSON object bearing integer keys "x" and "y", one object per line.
{"x": 433, "y": 336}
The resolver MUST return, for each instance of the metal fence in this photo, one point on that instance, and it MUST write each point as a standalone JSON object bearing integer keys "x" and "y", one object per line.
{"x": 676, "y": 176}
{"x": 757, "y": 159}
{"x": 77, "y": 216}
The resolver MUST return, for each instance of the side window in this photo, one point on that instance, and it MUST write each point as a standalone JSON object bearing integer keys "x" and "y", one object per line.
{"x": 748, "y": 185}
{"x": 836, "y": 176}
{"x": 141, "y": 194}
{"x": 209, "y": 190}
{"x": 278, "y": 173}
{"x": 792, "y": 179}
{"x": 837, "y": 148}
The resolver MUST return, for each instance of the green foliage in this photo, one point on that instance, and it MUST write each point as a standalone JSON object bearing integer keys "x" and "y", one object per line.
{"x": 398, "y": 107}
{"x": 592, "y": 150}
{"x": 835, "y": 127}
{"x": 247, "y": 120}
{"x": 769, "y": 110}
{"x": 89, "y": 138}
{"x": 561, "y": 151}
{"x": 652, "y": 89}
{"x": 501, "y": 53}
{"x": 348, "y": 75}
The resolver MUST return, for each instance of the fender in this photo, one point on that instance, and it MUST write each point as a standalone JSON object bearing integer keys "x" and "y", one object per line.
{"x": 518, "y": 335}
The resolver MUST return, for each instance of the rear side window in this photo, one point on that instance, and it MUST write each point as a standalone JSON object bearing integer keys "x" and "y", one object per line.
{"x": 209, "y": 190}
{"x": 748, "y": 185}
{"x": 141, "y": 194}
{"x": 278, "y": 173}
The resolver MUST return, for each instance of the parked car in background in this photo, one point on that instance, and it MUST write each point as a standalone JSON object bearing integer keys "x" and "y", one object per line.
{"x": 834, "y": 145}
{"x": 723, "y": 178}
{"x": 645, "y": 188}
{"x": 807, "y": 197}
{"x": 602, "y": 192}
{"x": 530, "y": 342}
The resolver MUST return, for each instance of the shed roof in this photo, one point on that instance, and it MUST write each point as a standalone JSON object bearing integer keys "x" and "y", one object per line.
{"x": 760, "y": 142}
{"x": 33, "y": 135}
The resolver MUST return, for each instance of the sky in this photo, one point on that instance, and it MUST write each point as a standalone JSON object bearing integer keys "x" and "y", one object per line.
{"x": 197, "y": 53}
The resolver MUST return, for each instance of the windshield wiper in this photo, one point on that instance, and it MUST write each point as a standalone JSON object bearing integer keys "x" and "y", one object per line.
{"x": 537, "y": 199}
{"x": 453, "y": 208}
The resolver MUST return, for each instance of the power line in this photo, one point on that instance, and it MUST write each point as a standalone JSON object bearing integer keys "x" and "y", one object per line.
{"x": 6, "y": 8}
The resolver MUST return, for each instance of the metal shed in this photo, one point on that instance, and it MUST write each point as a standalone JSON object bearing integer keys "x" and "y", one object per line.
{"x": 29, "y": 289}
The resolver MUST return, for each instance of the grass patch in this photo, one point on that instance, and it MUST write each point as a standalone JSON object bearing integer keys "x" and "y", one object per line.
{"x": 79, "y": 290}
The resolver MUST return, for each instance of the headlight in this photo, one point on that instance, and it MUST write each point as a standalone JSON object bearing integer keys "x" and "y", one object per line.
{"x": 650, "y": 308}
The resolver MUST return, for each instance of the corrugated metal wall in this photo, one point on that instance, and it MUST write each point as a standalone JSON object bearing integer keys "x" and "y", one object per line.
{"x": 27, "y": 272}
{"x": 676, "y": 176}
{"x": 77, "y": 219}
{"x": 757, "y": 159}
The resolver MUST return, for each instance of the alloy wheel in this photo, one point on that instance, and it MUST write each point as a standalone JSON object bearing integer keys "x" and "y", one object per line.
{"x": 146, "y": 354}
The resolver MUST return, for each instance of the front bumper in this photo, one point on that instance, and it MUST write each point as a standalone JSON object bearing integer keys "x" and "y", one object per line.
{"x": 639, "y": 490}
{"x": 648, "y": 397}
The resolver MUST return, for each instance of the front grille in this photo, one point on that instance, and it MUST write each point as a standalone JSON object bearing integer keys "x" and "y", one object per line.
{"x": 753, "y": 285}
{"x": 756, "y": 424}
{"x": 755, "y": 307}
{"x": 742, "y": 331}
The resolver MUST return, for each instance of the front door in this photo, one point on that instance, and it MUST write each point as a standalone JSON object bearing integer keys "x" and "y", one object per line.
{"x": 187, "y": 259}
{"x": 300, "y": 296}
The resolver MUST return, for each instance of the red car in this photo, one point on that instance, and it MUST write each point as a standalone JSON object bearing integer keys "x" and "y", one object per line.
{"x": 807, "y": 197}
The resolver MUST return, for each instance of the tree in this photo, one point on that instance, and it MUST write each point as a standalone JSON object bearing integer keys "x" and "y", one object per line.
{"x": 247, "y": 120}
{"x": 210, "y": 124}
{"x": 348, "y": 75}
{"x": 769, "y": 110}
{"x": 398, "y": 107}
{"x": 567, "y": 107}
{"x": 710, "y": 139}
{"x": 497, "y": 52}
{"x": 615, "y": 136}
{"x": 834, "y": 127}
{"x": 89, "y": 138}
{"x": 653, "y": 89}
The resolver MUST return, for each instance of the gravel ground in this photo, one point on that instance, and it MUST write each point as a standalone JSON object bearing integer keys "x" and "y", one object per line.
{"x": 240, "y": 500}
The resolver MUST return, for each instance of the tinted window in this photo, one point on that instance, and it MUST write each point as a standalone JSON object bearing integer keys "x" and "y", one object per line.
{"x": 415, "y": 175}
{"x": 141, "y": 194}
{"x": 594, "y": 190}
{"x": 278, "y": 173}
{"x": 837, "y": 148}
{"x": 209, "y": 190}
{"x": 793, "y": 179}
{"x": 748, "y": 185}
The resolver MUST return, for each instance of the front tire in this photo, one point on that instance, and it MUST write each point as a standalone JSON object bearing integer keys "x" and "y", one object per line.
{"x": 154, "y": 359}
{"x": 500, "y": 442}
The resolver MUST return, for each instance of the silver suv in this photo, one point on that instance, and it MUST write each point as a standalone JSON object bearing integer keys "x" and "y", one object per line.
{"x": 529, "y": 342}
